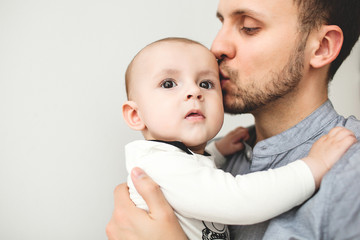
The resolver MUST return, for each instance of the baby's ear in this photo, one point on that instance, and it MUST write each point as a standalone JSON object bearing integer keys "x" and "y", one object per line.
{"x": 131, "y": 116}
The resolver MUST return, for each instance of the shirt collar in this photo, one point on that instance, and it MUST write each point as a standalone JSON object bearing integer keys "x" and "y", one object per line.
{"x": 300, "y": 133}
{"x": 180, "y": 145}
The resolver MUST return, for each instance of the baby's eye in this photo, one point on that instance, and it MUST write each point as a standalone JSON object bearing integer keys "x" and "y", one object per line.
{"x": 206, "y": 84}
{"x": 168, "y": 83}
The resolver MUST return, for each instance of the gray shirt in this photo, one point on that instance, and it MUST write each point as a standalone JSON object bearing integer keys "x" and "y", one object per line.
{"x": 334, "y": 211}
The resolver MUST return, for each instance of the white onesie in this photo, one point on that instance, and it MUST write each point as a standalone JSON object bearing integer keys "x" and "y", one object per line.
{"x": 205, "y": 198}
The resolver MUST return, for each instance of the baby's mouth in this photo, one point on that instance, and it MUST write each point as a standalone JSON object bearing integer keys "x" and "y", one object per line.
{"x": 195, "y": 115}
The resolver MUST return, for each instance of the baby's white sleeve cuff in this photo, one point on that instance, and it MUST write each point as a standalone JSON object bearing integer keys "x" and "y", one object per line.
{"x": 219, "y": 159}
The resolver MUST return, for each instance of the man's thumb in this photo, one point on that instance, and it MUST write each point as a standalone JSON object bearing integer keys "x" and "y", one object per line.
{"x": 150, "y": 192}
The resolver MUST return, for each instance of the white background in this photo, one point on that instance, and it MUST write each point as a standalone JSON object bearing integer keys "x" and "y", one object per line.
{"x": 62, "y": 135}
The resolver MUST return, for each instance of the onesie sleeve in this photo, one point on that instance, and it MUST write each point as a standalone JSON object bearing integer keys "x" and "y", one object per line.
{"x": 218, "y": 158}
{"x": 198, "y": 191}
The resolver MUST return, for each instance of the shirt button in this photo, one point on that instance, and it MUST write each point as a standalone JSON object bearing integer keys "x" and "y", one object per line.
{"x": 248, "y": 154}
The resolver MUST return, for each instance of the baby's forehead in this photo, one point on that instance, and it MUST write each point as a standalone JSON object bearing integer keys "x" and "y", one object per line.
{"x": 158, "y": 48}
{"x": 182, "y": 56}
{"x": 147, "y": 52}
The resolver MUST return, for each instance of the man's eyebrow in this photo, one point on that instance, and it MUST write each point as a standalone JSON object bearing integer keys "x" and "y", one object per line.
{"x": 237, "y": 13}
{"x": 240, "y": 12}
{"x": 218, "y": 15}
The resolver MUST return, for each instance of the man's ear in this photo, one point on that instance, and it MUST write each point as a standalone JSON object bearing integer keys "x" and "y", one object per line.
{"x": 131, "y": 116}
{"x": 327, "y": 45}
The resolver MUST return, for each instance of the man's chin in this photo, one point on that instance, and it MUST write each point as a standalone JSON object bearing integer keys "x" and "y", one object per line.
{"x": 231, "y": 106}
{"x": 233, "y": 109}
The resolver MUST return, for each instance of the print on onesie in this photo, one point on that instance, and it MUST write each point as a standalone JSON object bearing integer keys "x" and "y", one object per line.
{"x": 215, "y": 231}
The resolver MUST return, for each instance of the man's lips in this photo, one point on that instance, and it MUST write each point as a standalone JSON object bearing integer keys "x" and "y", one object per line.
{"x": 224, "y": 78}
{"x": 223, "y": 75}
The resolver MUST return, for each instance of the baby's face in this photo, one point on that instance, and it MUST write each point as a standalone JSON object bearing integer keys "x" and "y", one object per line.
{"x": 177, "y": 89}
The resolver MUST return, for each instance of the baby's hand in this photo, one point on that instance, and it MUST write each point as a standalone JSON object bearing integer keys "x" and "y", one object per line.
{"x": 327, "y": 150}
{"x": 232, "y": 142}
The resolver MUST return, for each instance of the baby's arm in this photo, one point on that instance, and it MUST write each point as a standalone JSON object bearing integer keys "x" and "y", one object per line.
{"x": 327, "y": 150}
{"x": 232, "y": 142}
{"x": 212, "y": 195}
{"x": 227, "y": 145}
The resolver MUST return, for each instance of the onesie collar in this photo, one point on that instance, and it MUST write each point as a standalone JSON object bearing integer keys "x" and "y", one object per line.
{"x": 180, "y": 145}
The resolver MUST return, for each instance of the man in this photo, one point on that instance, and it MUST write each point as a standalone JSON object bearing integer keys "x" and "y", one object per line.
{"x": 276, "y": 59}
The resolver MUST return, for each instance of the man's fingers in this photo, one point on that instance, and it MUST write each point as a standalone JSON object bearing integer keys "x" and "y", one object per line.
{"x": 151, "y": 193}
{"x": 124, "y": 206}
{"x": 120, "y": 224}
{"x": 121, "y": 196}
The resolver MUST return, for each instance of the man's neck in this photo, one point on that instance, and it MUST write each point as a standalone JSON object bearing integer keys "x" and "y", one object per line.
{"x": 284, "y": 113}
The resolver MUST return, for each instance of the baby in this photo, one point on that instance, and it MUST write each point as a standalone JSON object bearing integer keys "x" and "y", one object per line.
{"x": 175, "y": 99}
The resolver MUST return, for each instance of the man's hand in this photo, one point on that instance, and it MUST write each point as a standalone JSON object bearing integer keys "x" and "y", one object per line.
{"x": 130, "y": 223}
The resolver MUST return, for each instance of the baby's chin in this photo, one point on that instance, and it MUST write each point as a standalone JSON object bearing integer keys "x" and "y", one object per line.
{"x": 196, "y": 146}
{"x": 198, "y": 139}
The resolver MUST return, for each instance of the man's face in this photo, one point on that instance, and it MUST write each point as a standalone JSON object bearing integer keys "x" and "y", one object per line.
{"x": 260, "y": 52}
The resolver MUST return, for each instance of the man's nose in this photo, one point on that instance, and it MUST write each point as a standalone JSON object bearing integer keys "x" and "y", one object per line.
{"x": 223, "y": 45}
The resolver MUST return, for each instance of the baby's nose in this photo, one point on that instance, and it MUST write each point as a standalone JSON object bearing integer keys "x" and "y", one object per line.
{"x": 197, "y": 96}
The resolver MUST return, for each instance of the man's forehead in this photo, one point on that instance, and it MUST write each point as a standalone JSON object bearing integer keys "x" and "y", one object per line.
{"x": 255, "y": 8}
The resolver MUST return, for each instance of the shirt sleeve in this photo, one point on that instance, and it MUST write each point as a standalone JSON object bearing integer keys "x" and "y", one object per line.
{"x": 198, "y": 191}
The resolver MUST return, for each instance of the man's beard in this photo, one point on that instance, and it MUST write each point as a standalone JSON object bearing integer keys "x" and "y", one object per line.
{"x": 260, "y": 93}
